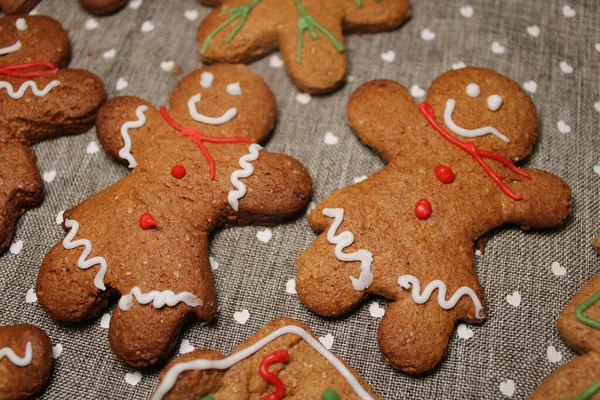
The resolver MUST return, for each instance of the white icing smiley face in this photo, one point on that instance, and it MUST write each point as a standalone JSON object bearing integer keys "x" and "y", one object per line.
{"x": 494, "y": 102}
{"x": 206, "y": 81}
{"x": 21, "y": 25}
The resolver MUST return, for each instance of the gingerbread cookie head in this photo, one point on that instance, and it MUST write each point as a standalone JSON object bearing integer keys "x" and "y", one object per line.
{"x": 25, "y": 361}
{"x": 282, "y": 360}
{"x": 309, "y": 34}
{"x": 196, "y": 168}
{"x": 438, "y": 194}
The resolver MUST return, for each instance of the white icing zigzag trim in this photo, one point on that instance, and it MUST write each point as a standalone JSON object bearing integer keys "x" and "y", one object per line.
{"x": 158, "y": 299}
{"x": 15, "y": 359}
{"x": 406, "y": 281}
{"x": 29, "y": 84}
{"x": 83, "y": 263}
{"x": 228, "y": 116}
{"x": 10, "y": 49}
{"x": 201, "y": 364}
{"x": 246, "y": 171}
{"x": 125, "y": 152}
{"x": 450, "y": 105}
{"x": 344, "y": 240}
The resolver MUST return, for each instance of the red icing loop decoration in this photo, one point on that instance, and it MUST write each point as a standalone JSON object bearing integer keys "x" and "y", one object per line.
{"x": 444, "y": 174}
{"x": 178, "y": 171}
{"x": 423, "y": 209}
{"x": 18, "y": 70}
{"x": 263, "y": 370}
{"x": 198, "y": 138}
{"x": 477, "y": 154}
{"x": 147, "y": 221}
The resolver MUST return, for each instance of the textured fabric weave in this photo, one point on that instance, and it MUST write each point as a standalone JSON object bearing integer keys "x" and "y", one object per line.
{"x": 511, "y": 345}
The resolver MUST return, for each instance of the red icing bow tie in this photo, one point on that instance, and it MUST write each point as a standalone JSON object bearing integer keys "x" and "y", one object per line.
{"x": 20, "y": 70}
{"x": 477, "y": 154}
{"x": 198, "y": 138}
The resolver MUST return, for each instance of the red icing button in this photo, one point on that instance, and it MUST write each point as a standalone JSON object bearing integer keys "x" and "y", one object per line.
{"x": 423, "y": 209}
{"x": 178, "y": 171}
{"x": 147, "y": 221}
{"x": 444, "y": 174}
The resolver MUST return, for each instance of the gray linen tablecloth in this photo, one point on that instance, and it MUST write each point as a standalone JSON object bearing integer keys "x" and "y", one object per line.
{"x": 517, "y": 345}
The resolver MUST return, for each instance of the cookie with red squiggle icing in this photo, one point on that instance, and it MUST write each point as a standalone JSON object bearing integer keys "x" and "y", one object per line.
{"x": 196, "y": 168}
{"x": 407, "y": 232}
{"x": 40, "y": 99}
{"x": 25, "y": 361}
{"x": 309, "y": 34}
{"x": 579, "y": 326}
{"x": 281, "y": 360}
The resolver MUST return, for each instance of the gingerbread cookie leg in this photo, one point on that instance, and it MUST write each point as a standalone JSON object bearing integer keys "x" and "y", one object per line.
{"x": 21, "y": 185}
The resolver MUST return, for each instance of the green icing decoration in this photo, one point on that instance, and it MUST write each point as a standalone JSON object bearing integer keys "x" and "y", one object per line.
{"x": 592, "y": 390}
{"x": 239, "y": 12}
{"x": 330, "y": 394}
{"x": 584, "y": 306}
{"x": 308, "y": 23}
{"x": 207, "y": 397}
{"x": 359, "y": 3}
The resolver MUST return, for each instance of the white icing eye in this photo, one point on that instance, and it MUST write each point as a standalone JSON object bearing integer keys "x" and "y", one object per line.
{"x": 234, "y": 89}
{"x": 206, "y": 80}
{"x": 494, "y": 102}
{"x": 21, "y": 24}
{"x": 473, "y": 90}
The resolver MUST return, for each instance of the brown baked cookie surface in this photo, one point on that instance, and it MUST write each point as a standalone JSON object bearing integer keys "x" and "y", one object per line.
{"x": 579, "y": 326}
{"x": 309, "y": 34}
{"x": 196, "y": 168}
{"x": 25, "y": 361}
{"x": 283, "y": 360}
{"x": 407, "y": 232}
{"x": 39, "y": 100}
{"x": 9, "y": 7}
{"x": 103, "y": 7}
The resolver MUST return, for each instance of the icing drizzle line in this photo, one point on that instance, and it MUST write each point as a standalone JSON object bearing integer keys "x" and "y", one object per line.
{"x": 28, "y": 84}
{"x": 125, "y": 151}
{"x": 405, "y": 281}
{"x": 359, "y": 3}
{"x": 202, "y": 364}
{"x": 15, "y": 359}
{"x": 344, "y": 240}
{"x": 158, "y": 299}
{"x": 307, "y": 23}
{"x": 198, "y": 138}
{"x": 263, "y": 370}
{"x": 19, "y": 70}
{"x": 584, "y": 306}
{"x": 592, "y": 390}
{"x": 477, "y": 154}
{"x": 247, "y": 170}
{"x": 83, "y": 262}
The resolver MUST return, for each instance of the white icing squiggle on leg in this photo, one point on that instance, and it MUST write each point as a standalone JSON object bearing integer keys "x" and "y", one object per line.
{"x": 11, "y": 49}
{"x": 202, "y": 364}
{"x": 15, "y": 359}
{"x": 247, "y": 170}
{"x": 158, "y": 299}
{"x": 83, "y": 263}
{"x": 471, "y": 133}
{"x": 344, "y": 240}
{"x": 125, "y": 152}
{"x": 29, "y": 84}
{"x": 228, "y": 116}
{"x": 406, "y": 281}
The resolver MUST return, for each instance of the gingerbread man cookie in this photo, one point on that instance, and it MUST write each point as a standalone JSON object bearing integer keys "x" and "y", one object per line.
{"x": 579, "y": 326}
{"x": 309, "y": 34}
{"x": 9, "y": 7}
{"x": 25, "y": 361}
{"x": 98, "y": 7}
{"x": 40, "y": 99}
{"x": 196, "y": 168}
{"x": 281, "y": 360}
{"x": 408, "y": 230}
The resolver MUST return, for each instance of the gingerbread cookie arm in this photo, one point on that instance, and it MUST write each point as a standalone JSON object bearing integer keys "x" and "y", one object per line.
{"x": 45, "y": 109}
{"x": 9, "y": 7}
{"x": 578, "y": 379}
{"x": 384, "y": 115}
{"x": 596, "y": 242}
{"x": 370, "y": 16}
{"x": 546, "y": 200}
{"x": 103, "y": 7}
{"x": 21, "y": 185}
{"x": 25, "y": 361}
